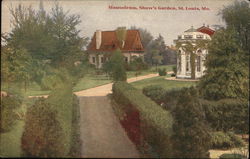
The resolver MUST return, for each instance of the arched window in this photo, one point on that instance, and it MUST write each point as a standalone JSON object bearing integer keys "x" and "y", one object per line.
{"x": 187, "y": 63}
{"x": 198, "y": 63}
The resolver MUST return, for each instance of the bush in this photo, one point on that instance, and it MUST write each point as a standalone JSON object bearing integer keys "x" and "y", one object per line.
{"x": 155, "y": 92}
{"x": 174, "y": 68}
{"x": 232, "y": 156}
{"x": 227, "y": 114}
{"x": 162, "y": 72}
{"x": 42, "y": 135}
{"x": 173, "y": 75}
{"x": 8, "y": 116}
{"x": 61, "y": 100}
{"x": 75, "y": 150}
{"x": 222, "y": 140}
{"x": 156, "y": 123}
{"x": 191, "y": 138}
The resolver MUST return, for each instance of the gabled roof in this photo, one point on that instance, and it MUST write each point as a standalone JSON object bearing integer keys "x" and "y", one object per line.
{"x": 206, "y": 30}
{"x": 110, "y": 42}
{"x": 191, "y": 30}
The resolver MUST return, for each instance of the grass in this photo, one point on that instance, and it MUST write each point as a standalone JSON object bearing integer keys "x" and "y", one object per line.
{"x": 90, "y": 80}
{"x": 160, "y": 80}
{"x": 11, "y": 141}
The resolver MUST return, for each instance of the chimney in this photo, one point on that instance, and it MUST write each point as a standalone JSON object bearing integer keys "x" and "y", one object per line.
{"x": 98, "y": 36}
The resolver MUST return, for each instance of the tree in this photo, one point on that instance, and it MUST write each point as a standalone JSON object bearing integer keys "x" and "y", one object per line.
{"x": 226, "y": 75}
{"x": 115, "y": 66}
{"x": 145, "y": 35}
{"x": 155, "y": 51}
{"x": 42, "y": 132}
{"x": 237, "y": 18}
{"x": 191, "y": 138}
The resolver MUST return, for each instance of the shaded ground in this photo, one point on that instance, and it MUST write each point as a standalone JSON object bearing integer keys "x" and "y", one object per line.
{"x": 101, "y": 132}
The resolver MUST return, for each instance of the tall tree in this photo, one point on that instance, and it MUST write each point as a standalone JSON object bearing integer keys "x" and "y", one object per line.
{"x": 226, "y": 75}
{"x": 115, "y": 66}
{"x": 227, "y": 63}
{"x": 155, "y": 51}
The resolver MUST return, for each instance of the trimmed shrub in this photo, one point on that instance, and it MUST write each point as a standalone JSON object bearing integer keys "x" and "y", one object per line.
{"x": 162, "y": 72}
{"x": 225, "y": 140}
{"x": 174, "y": 68}
{"x": 155, "y": 92}
{"x": 75, "y": 150}
{"x": 227, "y": 114}
{"x": 61, "y": 100}
{"x": 191, "y": 138}
{"x": 173, "y": 75}
{"x": 156, "y": 123}
{"x": 231, "y": 156}
{"x": 8, "y": 116}
{"x": 42, "y": 135}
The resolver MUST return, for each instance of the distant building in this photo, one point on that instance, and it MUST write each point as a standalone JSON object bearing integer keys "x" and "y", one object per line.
{"x": 183, "y": 59}
{"x": 103, "y": 43}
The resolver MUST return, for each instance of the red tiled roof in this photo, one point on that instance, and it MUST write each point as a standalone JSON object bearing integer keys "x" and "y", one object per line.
{"x": 110, "y": 42}
{"x": 206, "y": 30}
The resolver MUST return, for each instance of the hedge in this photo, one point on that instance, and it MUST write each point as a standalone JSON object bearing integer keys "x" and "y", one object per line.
{"x": 61, "y": 100}
{"x": 43, "y": 135}
{"x": 62, "y": 106}
{"x": 223, "y": 140}
{"x": 7, "y": 111}
{"x": 223, "y": 115}
{"x": 156, "y": 123}
{"x": 227, "y": 114}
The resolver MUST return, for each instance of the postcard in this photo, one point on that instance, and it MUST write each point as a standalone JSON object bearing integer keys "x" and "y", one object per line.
{"x": 125, "y": 78}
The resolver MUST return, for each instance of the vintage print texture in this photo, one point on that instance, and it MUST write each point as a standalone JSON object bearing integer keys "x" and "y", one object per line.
{"x": 125, "y": 79}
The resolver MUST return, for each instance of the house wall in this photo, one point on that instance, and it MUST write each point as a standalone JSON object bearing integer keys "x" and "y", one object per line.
{"x": 98, "y": 63}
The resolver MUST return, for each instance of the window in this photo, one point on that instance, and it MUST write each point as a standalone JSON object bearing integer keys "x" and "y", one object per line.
{"x": 179, "y": 62}
{"x": 188, "y": 36}
{"x": 102, "y": 60}
{"x": 198, "y": 63}
{"x": 199, "y": 36}
{"x": 126, "y": 59}
{"x": 93, "y": 59}
{"x": 187, "y": 63}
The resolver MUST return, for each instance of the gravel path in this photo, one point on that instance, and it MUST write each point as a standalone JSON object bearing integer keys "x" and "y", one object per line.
{"x": 107, "y": 88}
{"x": 101, "y": 133}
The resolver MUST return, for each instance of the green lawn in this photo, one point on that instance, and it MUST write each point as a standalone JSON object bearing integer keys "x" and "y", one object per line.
{"x": 10, "y": 142}
{"x": 90, "y": 80}
{"x": 166, "y": 84}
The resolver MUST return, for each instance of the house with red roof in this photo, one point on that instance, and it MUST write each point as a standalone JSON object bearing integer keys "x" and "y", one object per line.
{"x": 103, "y": 43}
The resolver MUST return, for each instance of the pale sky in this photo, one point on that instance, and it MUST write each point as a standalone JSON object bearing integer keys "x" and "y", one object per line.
{"x": 96, "y": 15}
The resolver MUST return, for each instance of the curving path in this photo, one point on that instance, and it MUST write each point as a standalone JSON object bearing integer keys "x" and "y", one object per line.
{"x": 101, "y": 132}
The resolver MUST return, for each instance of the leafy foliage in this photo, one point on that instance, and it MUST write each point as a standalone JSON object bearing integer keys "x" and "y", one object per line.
{"x": 162, "y": 72}
{"x": 155, "y": 92}
{"x": 156, "y": 124}
{"x": 43, "y": 134}
{"x": 227, "y": 63}
{"x": 227, "y": 114}
{"x": 8, "y": 116}
{"x": 227, "y": 75}
{"x": 115, "y": 67}
{"x": 222, "y": 140}
{"x": 191, "y": 138}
